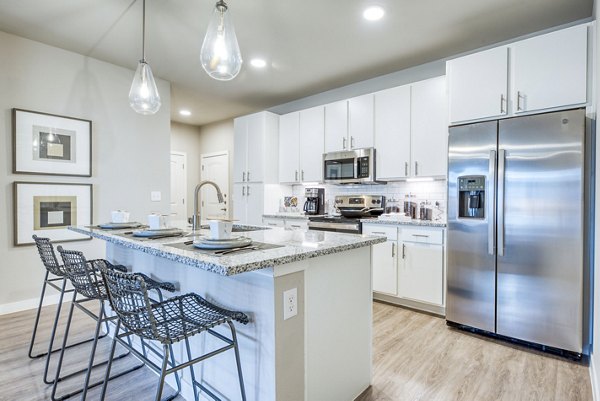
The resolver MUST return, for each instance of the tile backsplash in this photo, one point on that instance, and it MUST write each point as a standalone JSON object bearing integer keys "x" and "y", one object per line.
{"x": 420, "y": 191}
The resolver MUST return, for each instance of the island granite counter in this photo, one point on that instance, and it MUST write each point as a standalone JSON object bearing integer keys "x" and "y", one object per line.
{"x": 321, "y": 353}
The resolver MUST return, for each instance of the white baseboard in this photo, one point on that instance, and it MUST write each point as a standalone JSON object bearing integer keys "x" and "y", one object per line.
{"x": 28, "y": 304}
{"x": 594, "y": 379}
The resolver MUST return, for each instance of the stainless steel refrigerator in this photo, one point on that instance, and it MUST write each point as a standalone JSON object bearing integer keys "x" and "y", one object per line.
{"x": 517, "y": 228}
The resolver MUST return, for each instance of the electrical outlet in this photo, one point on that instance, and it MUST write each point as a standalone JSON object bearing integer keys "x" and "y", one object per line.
{"x": 290, "y": 303}
{"x": 155, "y": 196}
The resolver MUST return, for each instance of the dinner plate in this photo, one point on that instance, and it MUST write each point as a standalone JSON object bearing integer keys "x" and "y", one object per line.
{"x": 220, "y": 240}
{"x": 157, "y": 233}
{"x": 239, "y": 243}
{"x": 116, "y": 226}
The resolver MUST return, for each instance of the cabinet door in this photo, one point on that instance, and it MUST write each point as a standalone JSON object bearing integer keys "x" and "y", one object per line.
{"x": 392, "y": 132}
{"x": 239, "y": 203}
{"x": 385, "y": 267}
{"x": 256, "y": 147}
{"x": 240, "y": 128}
{"x": 478, "y": 84}
{"x": 289, "y": 141}
{"x": 336, "y": 126}
{"x": 550, "y": 70}
{"x": 312, "y": 144}
{"x": 360, "y": 121}
{"x": 429, "y": 128}
{"x": 420, "y": 273}
{"x": 255, "y": 204}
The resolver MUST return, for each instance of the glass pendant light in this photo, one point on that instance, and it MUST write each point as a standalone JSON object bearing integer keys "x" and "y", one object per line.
{"x": 143, "y": 95}
{"x": 220, "y": 54}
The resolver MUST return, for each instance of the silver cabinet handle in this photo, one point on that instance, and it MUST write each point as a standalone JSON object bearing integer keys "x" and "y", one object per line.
{"x": 403, "y": 251}
{"x": 272, "y": 224}
{"x": 302, "y": 175}
{"x": 420, "y": 235}
{"x": 295, "y": 226}
{"x": 248, "y": 190}
{"x": 351, "y": 142}
{"x": 501, "y": 172}
{"x": 248, "y": 175}
{"x": 502, "y": 103}
{"x": 519, "y": 96}
{"x": 491, "y": 203}
{"x": 343, "y": 143}
{"x": 378, "y": 232}
{"x": 393, "y": 249}
{"x": 406, "y": 169}
{"x": 296, "y": 175}
{"x": 244, "y": 176}
{"x": 416, "y": 169}
{"x": 244, "y": 191}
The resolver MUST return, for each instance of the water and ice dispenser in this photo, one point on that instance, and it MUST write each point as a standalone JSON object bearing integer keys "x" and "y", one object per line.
{"x": 471, "y": 197}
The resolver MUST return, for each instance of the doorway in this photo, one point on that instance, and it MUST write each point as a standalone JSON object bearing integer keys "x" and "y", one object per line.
{"x": 215, "y": 167}
{"x": 178, "y": 186}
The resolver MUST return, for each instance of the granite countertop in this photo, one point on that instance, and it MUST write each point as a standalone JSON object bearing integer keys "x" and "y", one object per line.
{"x": 415, "y": 222}
{"x": 295, "y": 245}
{"x": 297, "y": 216}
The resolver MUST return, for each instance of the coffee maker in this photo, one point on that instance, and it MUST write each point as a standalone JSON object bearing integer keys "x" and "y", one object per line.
{"x": 315, "y": 201}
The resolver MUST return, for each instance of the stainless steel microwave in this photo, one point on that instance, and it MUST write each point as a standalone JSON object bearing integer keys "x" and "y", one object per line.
{"x": 350, "y": 167}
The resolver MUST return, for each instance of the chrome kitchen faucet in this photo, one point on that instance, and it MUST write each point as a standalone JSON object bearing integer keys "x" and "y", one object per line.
{"x": 196, "y": 218}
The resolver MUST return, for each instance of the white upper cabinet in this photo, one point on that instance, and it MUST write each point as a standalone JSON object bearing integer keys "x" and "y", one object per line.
{"x": 550, "y": 70}
{"x": 336, "y": 126}
{"x": 392, "y": 132}
{"x": 289, "y": 142}
{"x": 360, "y": 121}
{"x": 429, "y": 127}
{"x": 478, "y": 85}
{"x": 312, "y": 144}
{"x": 255, "y": 137}
{"x": 545, "y": 72}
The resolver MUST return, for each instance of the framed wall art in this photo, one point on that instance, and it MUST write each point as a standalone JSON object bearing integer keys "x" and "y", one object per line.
{"x": 47, "y": 209}
{"x": 49, "y": 144}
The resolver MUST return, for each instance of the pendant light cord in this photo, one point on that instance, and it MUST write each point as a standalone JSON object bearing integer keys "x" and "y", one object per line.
{"x": 144, "y": 31}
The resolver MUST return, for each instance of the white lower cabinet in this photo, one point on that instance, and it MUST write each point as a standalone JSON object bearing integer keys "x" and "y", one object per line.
{"x": 296, "y": 224}
{"x": 272, "y": 222}
{"x": 408, "y": 268}
{"x": 287, "y": 223}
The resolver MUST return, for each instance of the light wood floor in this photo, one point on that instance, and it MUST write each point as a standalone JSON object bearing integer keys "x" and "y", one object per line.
{"x": 416, "y": 357}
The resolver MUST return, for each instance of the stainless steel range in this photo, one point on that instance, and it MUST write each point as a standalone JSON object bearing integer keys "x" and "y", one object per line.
{"x": 352, "y": 209}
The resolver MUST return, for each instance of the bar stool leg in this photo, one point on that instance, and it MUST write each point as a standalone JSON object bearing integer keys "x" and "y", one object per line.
{"x": 37, "y": 318}
{"x": 163, "y": 373}
{"x": 177, "y": 379}
{"x": 53, "y": 334}
{"x": 189, "y": 355}
{"x": 101, "y": 315}
{"x": 64, "y": 346}
{"x": 237, "y": 359}
{"x": 110, "y": 361}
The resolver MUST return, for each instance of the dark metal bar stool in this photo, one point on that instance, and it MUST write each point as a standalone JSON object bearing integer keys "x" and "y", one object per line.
{"x": 55, "y": 274}
{"x": 86, "y": 279}
{"x": 168, "y": 322}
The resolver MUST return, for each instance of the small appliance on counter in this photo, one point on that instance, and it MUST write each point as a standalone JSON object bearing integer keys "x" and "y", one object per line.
{"x": 352, "y": 208}
{"x": 315, "y": 201}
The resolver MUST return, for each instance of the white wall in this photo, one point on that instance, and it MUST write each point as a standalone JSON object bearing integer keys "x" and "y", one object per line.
{"x": 130, "y": 151}
{"x": 185, "y": 138}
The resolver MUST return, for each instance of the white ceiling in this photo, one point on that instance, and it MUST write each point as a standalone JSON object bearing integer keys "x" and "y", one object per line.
{"x": 310, "y": 45}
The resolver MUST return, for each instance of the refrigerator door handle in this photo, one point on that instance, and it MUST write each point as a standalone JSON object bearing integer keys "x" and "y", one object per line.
{"x": 491, "y": 203}
{"x": 501, "y": 172}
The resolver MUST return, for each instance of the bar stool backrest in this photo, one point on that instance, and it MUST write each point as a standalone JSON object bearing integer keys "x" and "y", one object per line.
{"x": 46, "y": 251}
{"x": 128, "y": 297}
{"x": 85, "y": 276}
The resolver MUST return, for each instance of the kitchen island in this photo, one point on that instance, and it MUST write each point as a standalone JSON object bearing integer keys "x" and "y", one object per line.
{"x": 323, "y": 352}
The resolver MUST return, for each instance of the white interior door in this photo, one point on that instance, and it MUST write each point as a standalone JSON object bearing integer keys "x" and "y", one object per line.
{"x": 178, "y": 186}
{"x": 215, "y": 167}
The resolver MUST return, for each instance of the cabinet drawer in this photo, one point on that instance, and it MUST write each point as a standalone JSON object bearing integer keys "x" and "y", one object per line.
{"x": 296, "y": 224}
{"x": 391, "y": 232}
{"x": 423, "y": 235}
{"x": 273, "y": 222}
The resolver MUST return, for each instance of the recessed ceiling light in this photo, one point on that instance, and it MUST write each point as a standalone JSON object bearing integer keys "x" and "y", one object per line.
{"x": 258, "y": 62}
{"x": 185, "y": 112}
{"x": 373, "y": 13}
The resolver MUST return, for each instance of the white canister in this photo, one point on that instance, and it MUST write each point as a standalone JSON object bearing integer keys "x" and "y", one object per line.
{"x": 220, "y": 229}
{"x": 158, "y": 221}
{"x": 119, "y": 216}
